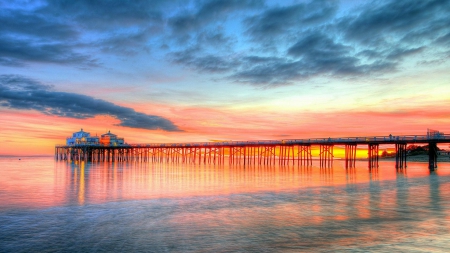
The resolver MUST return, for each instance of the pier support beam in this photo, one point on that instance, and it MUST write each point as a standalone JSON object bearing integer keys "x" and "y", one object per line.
{"x": 400, "y": 155}
{"x": 286, "y": 154}
{"x": 326, "y": 155}
{"x": 373, "y": 155}
{"x": 304, "y": 156}
{"x": 432, "y": 156}
{"x": 350, "y": 155}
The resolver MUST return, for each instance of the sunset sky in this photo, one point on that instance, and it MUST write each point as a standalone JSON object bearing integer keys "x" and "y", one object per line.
{"x": 181, "y": 71}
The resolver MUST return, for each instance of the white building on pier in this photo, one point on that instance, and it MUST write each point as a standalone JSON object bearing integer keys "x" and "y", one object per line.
{"x": 81, "y": 137}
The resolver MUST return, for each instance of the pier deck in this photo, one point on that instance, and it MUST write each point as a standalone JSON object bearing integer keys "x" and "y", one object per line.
{"x": 260, "y": 152}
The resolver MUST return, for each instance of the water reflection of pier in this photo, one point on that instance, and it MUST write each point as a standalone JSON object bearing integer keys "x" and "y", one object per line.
{"x": 360, "y": 195}
{"x": 282, "y": 152}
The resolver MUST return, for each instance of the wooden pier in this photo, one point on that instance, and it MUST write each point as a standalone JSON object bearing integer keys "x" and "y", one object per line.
{"x": 283, "y": 152}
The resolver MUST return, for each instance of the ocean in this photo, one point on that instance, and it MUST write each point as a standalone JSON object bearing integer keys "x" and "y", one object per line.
{"x": 60, "y": 206}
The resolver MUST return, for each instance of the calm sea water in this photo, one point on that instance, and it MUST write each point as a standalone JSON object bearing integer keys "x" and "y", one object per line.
{"x": 58, "y": 206}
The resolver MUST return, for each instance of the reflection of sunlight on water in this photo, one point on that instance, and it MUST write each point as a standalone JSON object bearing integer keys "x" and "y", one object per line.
{"x": 98, "y": 182}
{"x": 81, "y": 184}
{"x": 188, "y": 208}
{"x": 78, "y": 180}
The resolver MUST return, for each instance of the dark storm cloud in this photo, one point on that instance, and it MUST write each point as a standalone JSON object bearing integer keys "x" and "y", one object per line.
{"x": 280, "y": 20}
{"x": 22, "y": 93}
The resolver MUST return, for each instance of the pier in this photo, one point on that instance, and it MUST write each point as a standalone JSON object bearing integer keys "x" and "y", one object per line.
{"x": 264, "y": 152}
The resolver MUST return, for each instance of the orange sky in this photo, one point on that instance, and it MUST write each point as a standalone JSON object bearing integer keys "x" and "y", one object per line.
{"x": 32, "y": 133}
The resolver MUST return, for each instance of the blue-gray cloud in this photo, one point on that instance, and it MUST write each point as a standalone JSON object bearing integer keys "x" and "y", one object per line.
{"x": 208, "y": 63}
{"x": 28, "y": 37}
{"x": 73, "y": 32}
{"x": 294, "y": 42}
{"x": 15, "y": 51}
{"x": 106, "y": 14}
{"x": 279, "y": 21}
{"x": 417, "y": 21}
{"x": 243, "y": 41}
{"x": 18, "y": 92}
{"x": 209, "y": 12}
{"x": 26, "y": 24}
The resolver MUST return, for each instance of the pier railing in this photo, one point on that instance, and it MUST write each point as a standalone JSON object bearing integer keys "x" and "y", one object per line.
{"x": 439, "y": 138}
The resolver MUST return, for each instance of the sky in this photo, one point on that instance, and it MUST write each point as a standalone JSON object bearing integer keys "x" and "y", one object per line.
{"x": 208, "y": 70}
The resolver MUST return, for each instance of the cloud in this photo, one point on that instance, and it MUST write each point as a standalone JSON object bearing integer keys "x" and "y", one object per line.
{"x": 306, "y": 41}
{"x": 209, "y": 12}
{"x": 69, "y": 32}
{"x": 202, "y": 55}
{"x": 105, "y": 14}
{"x": 379, "y": 23}
{"x": 244, "y": 41}
{"x": 322, "y": 54}
{"x": 400, "y": 53}
{"x": 317, "y": 45}
{"x": 372, "y": 39}
{"x": 28, "y": 24}
{"x": 270, "y": 72}
{"x": 27, "y": 37}
{"x": 209, "y": 63}
{"x": 314, "y": 54}
{"x": 280, "y": 20}
{"x": 16, "y": 52}
{"x": 129, "y": 43}
{"x": 18, "y": 92}
{"x": 273, "y": 72}
{"x": 444, "y": 40}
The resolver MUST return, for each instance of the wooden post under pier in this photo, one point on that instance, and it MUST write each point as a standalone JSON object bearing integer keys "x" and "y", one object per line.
{"x": 432, "y": 156}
